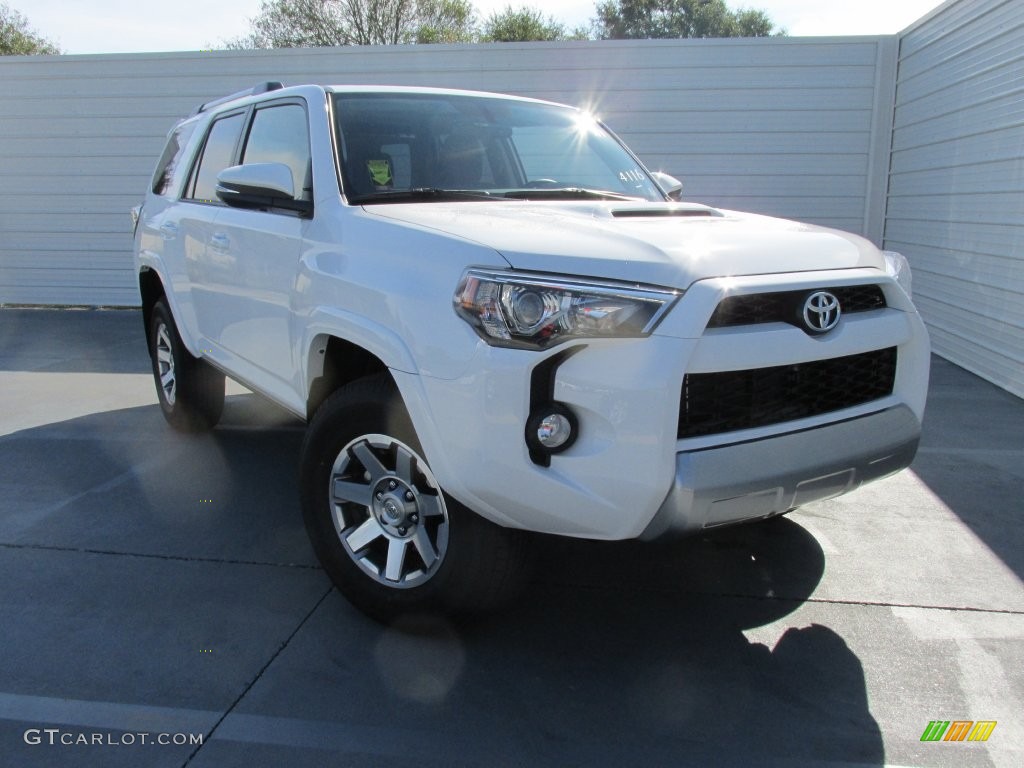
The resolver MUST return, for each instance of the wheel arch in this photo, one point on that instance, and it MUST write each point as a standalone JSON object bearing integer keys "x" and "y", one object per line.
{"x": 151, "y": 290}
{"x": 154, "y": 285}
{"x": 331, "y": 363}
{"x": 339, "y": 347}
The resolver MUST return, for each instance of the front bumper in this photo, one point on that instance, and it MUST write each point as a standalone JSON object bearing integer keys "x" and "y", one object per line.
{"x": 630, "y": 474}
{"x": 761, "y": 478}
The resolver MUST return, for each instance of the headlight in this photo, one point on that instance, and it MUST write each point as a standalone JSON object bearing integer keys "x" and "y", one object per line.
{"x": 897, "y": 266}
{"x": 529, "y": 311}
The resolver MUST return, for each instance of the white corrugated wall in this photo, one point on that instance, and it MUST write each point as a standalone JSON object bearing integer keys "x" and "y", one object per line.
{"x": 956, "y": 190}
{"x": 797, "y": 127}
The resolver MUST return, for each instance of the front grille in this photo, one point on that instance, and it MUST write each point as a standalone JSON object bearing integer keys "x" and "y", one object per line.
{"x": 787, "y": 306}
{"x": 713, "y": 403}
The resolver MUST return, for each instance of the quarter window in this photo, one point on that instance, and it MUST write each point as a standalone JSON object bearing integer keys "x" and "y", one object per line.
{"x": 169, "y": 171}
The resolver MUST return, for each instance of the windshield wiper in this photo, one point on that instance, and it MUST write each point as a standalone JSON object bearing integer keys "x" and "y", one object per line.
{"x": 420, "y": 194}
{"x": 568, "y": 193}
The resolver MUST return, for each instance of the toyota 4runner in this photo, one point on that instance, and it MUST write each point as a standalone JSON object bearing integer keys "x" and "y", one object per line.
{"x": 495, "y": 319}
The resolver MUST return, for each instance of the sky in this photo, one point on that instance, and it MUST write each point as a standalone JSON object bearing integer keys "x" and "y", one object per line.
{"x": 119, "y": 26}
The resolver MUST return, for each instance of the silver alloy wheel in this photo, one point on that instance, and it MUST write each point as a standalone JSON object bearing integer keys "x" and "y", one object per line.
{"x": 165, "y": 363}
{"x": 388, "y": 510}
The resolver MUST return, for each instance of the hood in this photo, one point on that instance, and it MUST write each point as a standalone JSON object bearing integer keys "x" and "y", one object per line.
{"x": 667, "y": 244}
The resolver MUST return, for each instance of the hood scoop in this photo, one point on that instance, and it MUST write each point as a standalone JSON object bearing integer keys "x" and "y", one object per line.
{"x": 663, "y": 212}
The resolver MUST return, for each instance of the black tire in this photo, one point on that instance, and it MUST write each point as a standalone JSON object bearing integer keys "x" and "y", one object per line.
{"x": 192, "y": 398}
{"x": 361, "y": 501}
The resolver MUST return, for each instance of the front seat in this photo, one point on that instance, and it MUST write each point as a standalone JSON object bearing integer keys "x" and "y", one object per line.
{"x": 461, "y": 161}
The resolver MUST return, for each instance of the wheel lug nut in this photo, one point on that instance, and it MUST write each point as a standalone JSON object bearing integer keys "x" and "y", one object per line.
{"x": 379, "y": 496}
{"x": 403, "y": 530}
{"x": 392, "y": 485}
{"x": 414, "y": 518}
{"x": 409, "y": 496}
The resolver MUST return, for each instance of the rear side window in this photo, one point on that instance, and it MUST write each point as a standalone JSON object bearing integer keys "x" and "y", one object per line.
{"x": 171, "y": 169}
{"x": 279, "y": 135}
{"x": 218, "y": 154}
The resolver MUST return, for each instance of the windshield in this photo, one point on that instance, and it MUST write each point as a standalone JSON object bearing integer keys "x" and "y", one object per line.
{"x": 400, "y": 147}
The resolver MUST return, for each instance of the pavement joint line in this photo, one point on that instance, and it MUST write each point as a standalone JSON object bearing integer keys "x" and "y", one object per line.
{"x": 779, "y": 598}
{"x": 55, "y": 431}
{"x": 259, "y": 674}
{"x": 152, "y": 556}
{"x": 817, "y": 600}
{"x": 883, "y": 604}
{"x": 971, "y": 451}
{"x": 60, "y": 434}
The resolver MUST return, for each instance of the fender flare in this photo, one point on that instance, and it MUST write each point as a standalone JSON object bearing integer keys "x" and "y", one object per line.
{"x": 324, "y": 322}
{"x": 146, "y": 260}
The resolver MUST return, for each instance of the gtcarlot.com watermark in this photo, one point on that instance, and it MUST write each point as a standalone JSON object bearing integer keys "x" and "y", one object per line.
{"x": 53, "y": 737}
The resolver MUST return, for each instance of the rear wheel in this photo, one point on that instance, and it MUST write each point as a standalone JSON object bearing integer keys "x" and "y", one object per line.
{"x": 190, "y": 390}
{"x": 384, "y": 530}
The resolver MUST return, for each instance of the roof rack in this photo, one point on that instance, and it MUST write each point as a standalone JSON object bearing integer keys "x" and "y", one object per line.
{"x": 257, "y": 89}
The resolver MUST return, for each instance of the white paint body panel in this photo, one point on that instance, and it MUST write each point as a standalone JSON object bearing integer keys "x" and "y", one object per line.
{"x": 588, "y": 239}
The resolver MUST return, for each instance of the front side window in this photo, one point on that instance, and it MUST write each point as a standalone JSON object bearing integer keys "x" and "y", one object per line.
{"x": 218, "y": 154}
{"x": 279, "y": 134}
{"x": 397, "y": 146}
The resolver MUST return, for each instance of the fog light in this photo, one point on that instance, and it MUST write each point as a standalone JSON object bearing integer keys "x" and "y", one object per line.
{"x": 554, "y": 431}
{"x": 552, "y": 428}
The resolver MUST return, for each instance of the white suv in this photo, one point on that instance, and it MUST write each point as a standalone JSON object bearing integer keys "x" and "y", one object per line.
{"x": 496, "y": 319}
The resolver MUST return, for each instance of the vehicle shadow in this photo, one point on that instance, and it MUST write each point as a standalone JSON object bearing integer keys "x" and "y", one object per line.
{"x": 615, "y": 654}
{"x": 624, "y": 654}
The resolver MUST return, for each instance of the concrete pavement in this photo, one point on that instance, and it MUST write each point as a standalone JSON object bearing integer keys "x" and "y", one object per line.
{"x": 156, "y": 585}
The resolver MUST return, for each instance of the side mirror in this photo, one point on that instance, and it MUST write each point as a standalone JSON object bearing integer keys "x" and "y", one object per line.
{"x": 671, "y": 186}
{"x": 260, "y": 185}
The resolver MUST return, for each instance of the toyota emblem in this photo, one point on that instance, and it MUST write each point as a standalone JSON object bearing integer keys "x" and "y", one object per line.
{"x": 821, "y": 312}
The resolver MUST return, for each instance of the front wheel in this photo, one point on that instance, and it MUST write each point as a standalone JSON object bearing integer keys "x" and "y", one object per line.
{"x": 386, "y": 533}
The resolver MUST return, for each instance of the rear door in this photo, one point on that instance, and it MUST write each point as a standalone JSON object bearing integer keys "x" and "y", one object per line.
{"x": 208, "y": 275}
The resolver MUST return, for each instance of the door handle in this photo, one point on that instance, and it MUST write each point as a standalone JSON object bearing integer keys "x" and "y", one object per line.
{"x": 220, "y": 242}
{"x": 169, "y": 230}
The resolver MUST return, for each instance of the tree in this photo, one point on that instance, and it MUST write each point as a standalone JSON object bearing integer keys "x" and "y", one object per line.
{"x": 17, "y": 38}
{"x": 521, "y": 25}
{"x": 632, "y": 19}
{"x": 445, "y": 21}
{"x": 315, "y": 23}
